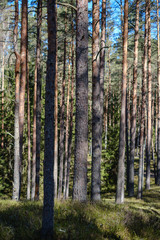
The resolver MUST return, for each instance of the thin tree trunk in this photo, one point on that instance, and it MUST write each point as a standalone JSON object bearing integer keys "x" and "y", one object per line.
{"x": 158, "y": 79}
{"x": 121, "y": 165}
{"x": 56, "y": 122}
{"x": 67, "y": 126}
{"x": 134, "y": 106}
{"x": 102, "y": 63}
{"x": 22, "y": 77}
{"x": 143, "y": 110}
{"x": 48, "y": 204}
{"x": 96, "y": 113}
{"x": 28, "y": 125}
{"x": 109, "y": 93}
{"x": 71, "y": 117}
{"x": 81, "y": 129}
{"x": 106, "y": 117}
{"x": 38, "y": 100}
{"x": 62, "y": 110}
{"x": 16, "y": 178}
{"x": 149, "y": 116}
{"x": 3, "y": 63}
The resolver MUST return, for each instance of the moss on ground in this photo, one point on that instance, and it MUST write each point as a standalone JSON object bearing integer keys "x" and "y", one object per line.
{"x": 136, "y": 219}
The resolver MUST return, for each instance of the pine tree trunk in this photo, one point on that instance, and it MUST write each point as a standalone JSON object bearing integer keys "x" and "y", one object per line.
{"x": 96, "y": 113}
{"x": 22, "y": 77}
{"x": 71, "y": 117}
{"x": 38, "y": 100}
{"x": 56, "y": 122}
{"x": 106, "y": 116}
{"x": 48, "y": 204}
{"x": 134, "y": 106}
{"x": 16, "y": 178}
{"x": 28, "y": 124}
{"x": 3, "y": 63}
{"x": 67, "y": 127}
{"x": 62, "y": 110}
{"x": 149, "y": 116}
{"x": 143, "y": 110}
{"x": 81, "y": 129}
{"x": 121, "y": 165}
{"x": 158, "y": 79}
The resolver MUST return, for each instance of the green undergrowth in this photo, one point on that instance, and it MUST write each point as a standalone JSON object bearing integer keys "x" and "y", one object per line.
{"x": 135, "y": 219}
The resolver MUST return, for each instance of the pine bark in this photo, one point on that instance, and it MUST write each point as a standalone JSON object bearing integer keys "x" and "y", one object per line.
{"x": 134, "y": 106}
{"x": 149, "y": 116}
{"x": 96, "y": 110}
{"x": 56, "y": 122}
{"x": 81, "y": 129}
{"x": 67, "y": 126}
{"x": 158, "y": 79}
{"x": 38, "y": 100}
{"x": 143, "y": 110}
{"x": 62, "y": 111}
{"x": 121, "y": 160}
{"x": 23, "y": 76}
{"x": 48, "y": 203}
{"x": 16, "y": 178}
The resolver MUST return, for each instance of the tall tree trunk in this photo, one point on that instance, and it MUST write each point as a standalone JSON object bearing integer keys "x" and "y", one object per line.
{"x": 56, "y": 122}
{"x": 22, "y": 77}
{"x": 67, "y": 126}
{"x": 149, "y": 116}
{"x": 71, "y": 116}
{"x": 109, "y": 88}
{"x": 81, "y": 129}
{"x": 158, "y": 79}
{"x": 28, "y": 124}
{"x": 143, "y": 109}
{"x": 16, "y": 178}
{"x": 48, "y": 204}
{"x": 96, "y": 113}
{"x": 38, "y": 100}
{"x": 62, "y": 110}
{"x": 121, "y": 165}
{"x": 134, "y": 106}
{"x": 106, "y": 117}
{"x": 3, "y": 63}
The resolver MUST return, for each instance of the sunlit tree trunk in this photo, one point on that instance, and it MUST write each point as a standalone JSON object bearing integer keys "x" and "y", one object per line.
{"x": 143, "y": 110}
{"x": 149, "y": 116}
{"x": 121, "y": 167}
{"x": 23, "y": 76}
{"x": 96, "y": 113}
{"x": 16, "y": 178}
{"x": 38, "y": 100}
{"x": 158, "y": 79}
{"x": 134, "y": 106}
{"x": 81, "y": 129}
{"x": 62, "y": 110}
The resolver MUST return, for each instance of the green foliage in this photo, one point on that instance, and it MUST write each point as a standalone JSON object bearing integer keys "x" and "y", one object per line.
{"x": 110, "y": 159}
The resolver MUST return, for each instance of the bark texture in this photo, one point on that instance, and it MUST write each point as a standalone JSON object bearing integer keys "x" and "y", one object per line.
{"x": 81, "y": 129}
{"x": 48, "y": 203}
{"x": 134, "y": 106}
{"x": 121, "y": 160}
{"x": 96, "y": 109}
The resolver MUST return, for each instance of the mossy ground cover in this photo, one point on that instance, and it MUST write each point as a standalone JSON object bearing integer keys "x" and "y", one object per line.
{"x": 135, "y": 219}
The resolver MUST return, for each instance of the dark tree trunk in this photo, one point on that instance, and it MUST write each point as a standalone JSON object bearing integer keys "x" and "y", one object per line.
{"x": 48, "y": 204}
{"x": 81, "y": 129}
{"x": 96, "y": 113}
{"x": 121, "y": 165}
{"x": 134, "y": 106}
{"x": 149, "y": 116}
{"x": 16, "y": 179}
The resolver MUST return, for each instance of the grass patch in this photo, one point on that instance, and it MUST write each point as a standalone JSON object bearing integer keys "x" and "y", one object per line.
{"x": 136, "y": 219}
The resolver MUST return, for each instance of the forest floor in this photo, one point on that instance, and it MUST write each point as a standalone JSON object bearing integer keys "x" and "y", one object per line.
{"x": 135, "y": 219}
